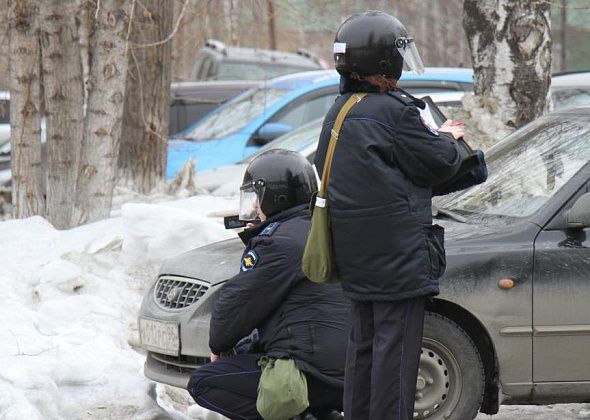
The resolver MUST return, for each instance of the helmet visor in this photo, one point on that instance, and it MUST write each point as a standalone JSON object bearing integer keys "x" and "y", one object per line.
{"x": 250, "y": 199}
{"x": 408, "y": 50}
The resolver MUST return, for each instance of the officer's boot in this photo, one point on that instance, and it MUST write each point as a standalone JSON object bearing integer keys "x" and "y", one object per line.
{"x": 306, "y": 415}
{"x": 327, "y": 414}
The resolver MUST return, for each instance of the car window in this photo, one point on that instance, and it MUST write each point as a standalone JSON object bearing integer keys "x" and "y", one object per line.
{"x": 526, "y": 170}
{"x": 4, "y": 112}
{"x": 306, "y": 111}
{"x": 569, "y": 97}
{"x": 296, "y": 140}
{"x": 234, "y": 116}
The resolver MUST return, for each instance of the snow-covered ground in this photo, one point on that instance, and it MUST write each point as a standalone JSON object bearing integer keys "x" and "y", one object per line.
{"x": 69, "y": 342}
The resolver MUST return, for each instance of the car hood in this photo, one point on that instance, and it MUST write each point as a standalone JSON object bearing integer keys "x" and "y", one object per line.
{"x": 217, "y": 262}
{"x": 213, "y": 263}
{"x": 214, "y": 178}
{"x": 207, "y": 154}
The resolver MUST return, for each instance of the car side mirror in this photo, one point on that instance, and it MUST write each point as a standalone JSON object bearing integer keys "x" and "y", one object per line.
{"x": 578, "y": 217}
{"x": 270, "y": 131}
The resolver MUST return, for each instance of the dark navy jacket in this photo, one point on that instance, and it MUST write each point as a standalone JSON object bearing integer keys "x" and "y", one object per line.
{"x": 295, "y": 318}
{"x": 384, "y": 167}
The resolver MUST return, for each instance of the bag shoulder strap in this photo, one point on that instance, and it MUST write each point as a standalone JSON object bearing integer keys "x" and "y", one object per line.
{"x": 352, "y": 101}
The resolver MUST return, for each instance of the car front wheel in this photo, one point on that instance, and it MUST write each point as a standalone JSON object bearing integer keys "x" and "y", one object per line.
{"x": 450, "y": 380}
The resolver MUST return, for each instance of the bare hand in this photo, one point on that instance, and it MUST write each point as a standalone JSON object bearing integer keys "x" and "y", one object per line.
{"x": 453, "y": 128}
{"x": 213, "y": 357}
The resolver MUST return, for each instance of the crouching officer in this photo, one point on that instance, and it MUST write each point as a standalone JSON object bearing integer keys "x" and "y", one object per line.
{"x": 294, "y": 318}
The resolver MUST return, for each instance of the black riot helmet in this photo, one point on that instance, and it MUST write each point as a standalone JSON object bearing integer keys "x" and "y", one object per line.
{"x": 372, "y": 43}
{"x": 276, "y": 180}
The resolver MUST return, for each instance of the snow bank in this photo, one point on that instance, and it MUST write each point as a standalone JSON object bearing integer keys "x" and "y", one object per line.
{"x": 70, "y": 301}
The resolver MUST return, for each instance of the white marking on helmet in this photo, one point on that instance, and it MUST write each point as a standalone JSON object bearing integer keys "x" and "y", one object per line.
{"x": 339, "y": 47}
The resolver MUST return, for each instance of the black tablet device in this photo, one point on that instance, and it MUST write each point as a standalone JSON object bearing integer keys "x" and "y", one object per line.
{"x": 437, "y": 115}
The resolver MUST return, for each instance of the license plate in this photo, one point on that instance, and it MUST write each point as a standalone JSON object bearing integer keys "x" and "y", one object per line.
{"x": 160, "y": 336}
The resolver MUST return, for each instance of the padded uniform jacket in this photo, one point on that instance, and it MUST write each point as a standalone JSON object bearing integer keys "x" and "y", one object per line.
{"x": 384, "y": 166}
{"x": 295, "y": 318}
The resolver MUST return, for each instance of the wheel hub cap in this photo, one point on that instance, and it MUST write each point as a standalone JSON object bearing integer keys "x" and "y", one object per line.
{"x": 432, "y": 385}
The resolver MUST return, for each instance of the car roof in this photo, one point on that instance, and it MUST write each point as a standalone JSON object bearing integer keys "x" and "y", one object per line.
{"x": 571, "y": 79}
{"x": 187, "y": 89}
{"x": 444, "y": 97}
{"x": 258, "y": 55}
{"x": 295, "y": 81}
{"x": 452, "y": 74}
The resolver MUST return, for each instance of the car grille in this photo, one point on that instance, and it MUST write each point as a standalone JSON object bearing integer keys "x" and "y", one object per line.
{"x": 181, "y": 364}
{"x": 178, "y": 292}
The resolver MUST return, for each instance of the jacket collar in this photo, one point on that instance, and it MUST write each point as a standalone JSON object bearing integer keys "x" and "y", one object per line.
{"x": 299, "y": 210}
{"x": 348, "y": 85}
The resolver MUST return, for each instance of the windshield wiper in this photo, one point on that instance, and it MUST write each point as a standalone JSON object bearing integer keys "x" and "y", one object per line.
{"x": 436, "y": 212}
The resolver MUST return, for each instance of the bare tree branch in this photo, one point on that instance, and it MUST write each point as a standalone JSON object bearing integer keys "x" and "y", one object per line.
{"x": 172, "y": 34}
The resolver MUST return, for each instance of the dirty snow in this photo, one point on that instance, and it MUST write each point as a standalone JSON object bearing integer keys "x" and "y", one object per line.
{"x": 69, "y": 342}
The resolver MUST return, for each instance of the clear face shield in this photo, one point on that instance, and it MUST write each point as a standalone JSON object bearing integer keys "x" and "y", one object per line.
{"x": 250, "y": 197}
{"x": 407, "y": 49}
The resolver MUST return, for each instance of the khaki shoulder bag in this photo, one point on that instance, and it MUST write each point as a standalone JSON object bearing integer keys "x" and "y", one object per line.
{"x": 319, "y": 263}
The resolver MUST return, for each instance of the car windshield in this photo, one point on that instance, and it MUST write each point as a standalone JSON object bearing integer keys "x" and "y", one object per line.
{"x": 234, "y": 116}
{"x": 295, "y": 141}
{"x": 527, "y": 169}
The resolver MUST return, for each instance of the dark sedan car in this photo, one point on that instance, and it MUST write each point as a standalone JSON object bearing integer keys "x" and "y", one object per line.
{"x": 512, "y": 322}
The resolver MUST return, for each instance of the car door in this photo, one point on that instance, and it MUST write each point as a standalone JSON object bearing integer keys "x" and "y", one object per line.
{"x": 561, "y": 299}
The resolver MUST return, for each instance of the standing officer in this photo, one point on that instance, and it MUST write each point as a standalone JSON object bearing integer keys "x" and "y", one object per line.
{"x": 295, "y": 318}
{"x": 385, "y": 164}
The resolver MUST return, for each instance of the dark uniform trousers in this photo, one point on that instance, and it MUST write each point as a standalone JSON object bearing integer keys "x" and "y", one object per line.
{"x": 230, "y": 386}
{"x": 382, "y": 359}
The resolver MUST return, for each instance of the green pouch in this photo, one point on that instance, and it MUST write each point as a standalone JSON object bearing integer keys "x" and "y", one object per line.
{"x": 319, "y": 260}
{"x": 282, "y": 390}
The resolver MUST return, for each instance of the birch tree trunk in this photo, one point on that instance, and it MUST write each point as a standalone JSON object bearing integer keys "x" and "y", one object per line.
{"x": 63, "y": 98}
{"x": 102, "y": 126}
{"x": 510, "y": 43}
{"x": 25, "y": 108}
{"x": 142, "y": 159}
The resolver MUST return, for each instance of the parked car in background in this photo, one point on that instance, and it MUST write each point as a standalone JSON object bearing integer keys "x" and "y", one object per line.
{"x": 217, "y": 61}
{"x": 226, "y": 179}
{"x": 4, "y": 138}
{"x": 570, "y": 89}
{"x": 517, "y": 242}
{"x": 238, "y": 128}
{"x": 4, "y": 117}
{"x": 241, "y": 126}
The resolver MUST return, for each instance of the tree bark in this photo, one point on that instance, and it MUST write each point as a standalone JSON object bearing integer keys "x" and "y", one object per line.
{"x": 102, "y": 127}
{"x": 63, "y": 98}
{"x": 142, "y": 159}
{"x": 272, "y": 31}
{"x": 510, "y": 43}
{"x": 25, "y": 109}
